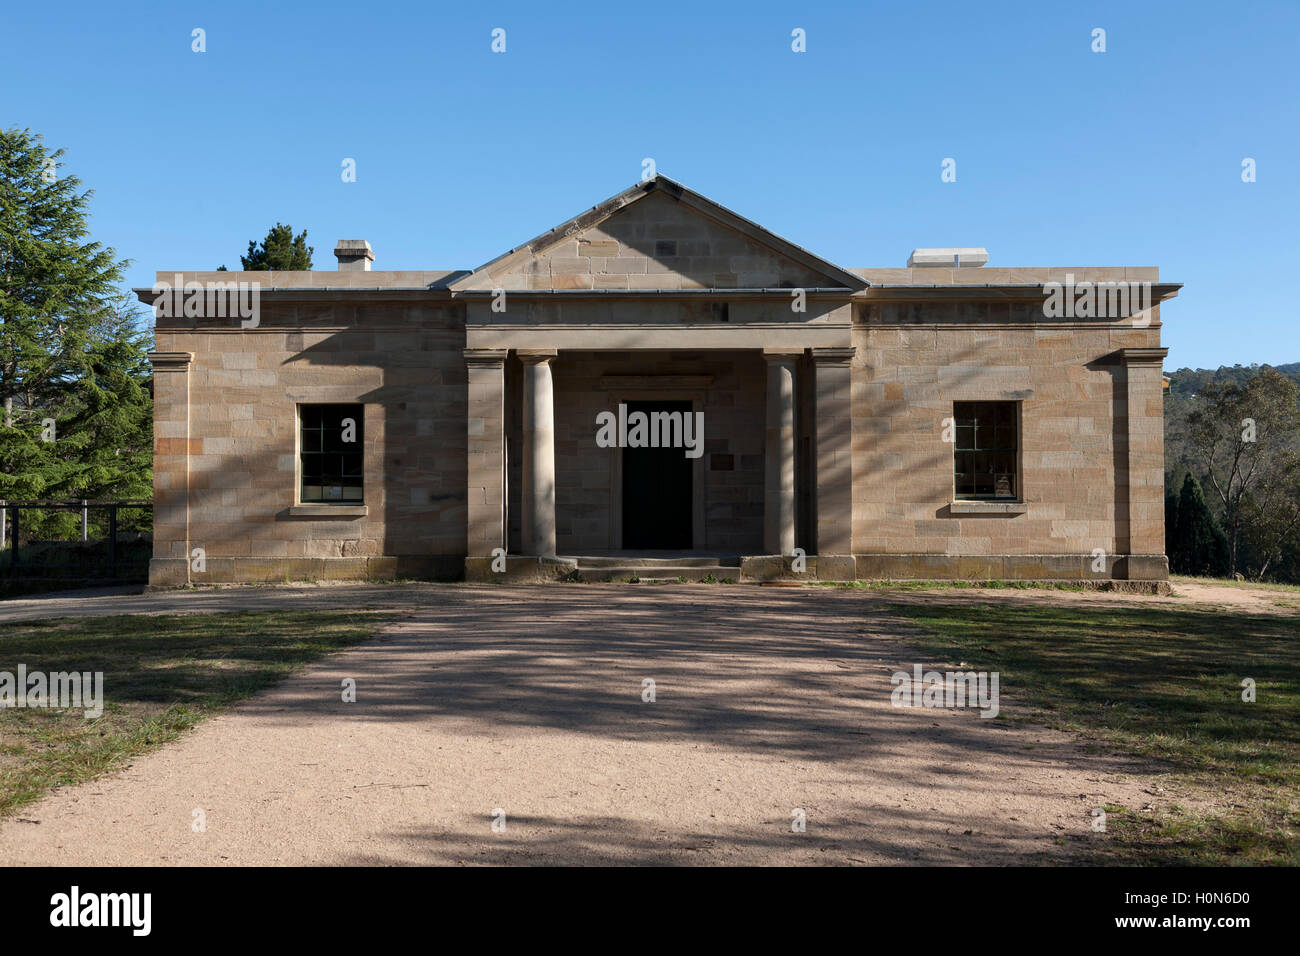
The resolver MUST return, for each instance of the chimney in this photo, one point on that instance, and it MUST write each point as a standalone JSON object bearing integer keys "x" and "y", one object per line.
{"x": 354, "y": 255}
{"x": 947, "y": 258}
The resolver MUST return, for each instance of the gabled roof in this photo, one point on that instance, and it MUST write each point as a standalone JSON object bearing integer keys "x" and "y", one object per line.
{"x": 662, "y": 185}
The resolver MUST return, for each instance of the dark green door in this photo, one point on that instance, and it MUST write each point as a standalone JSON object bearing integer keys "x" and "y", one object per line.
{"x": 657, "y": 499}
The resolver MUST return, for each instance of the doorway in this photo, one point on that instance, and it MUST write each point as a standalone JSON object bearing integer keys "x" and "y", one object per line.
{"x": 657, "y": 490}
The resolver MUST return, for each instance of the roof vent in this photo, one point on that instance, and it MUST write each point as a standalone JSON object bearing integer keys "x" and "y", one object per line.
{"x": 947, "y": 258}
{"x": 354, "y": 254}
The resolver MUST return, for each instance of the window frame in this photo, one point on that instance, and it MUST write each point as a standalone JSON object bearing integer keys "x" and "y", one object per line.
{"x": 1016, "y": 451}
{"x": 301, "y": 453}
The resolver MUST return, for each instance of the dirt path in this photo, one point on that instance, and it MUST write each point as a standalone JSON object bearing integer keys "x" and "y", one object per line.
{"x": 1251, "y": 600}
{"x": 530, "y": 700}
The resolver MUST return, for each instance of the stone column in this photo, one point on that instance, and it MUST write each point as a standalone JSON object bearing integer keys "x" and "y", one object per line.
{"x": 833, "y": 435}
{"x": 1144, "y": 457}
{"x": 778, "y": 482}
{"x": 486, "y": 478}
{"x": 172, "y": 446}
{"x": 538, "y": 511}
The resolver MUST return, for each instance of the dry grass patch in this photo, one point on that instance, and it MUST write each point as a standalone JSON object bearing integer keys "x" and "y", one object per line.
{"x": 162, "y": 676}
{"x": 1162, "y": 683}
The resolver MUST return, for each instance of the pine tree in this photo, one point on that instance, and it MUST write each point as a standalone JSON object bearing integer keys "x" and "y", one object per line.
{"x": 1199, "y": 545}
{"x": 1171, "y": 525}
{"x": 73, "y": 373}
{"x": 111, "y": 425}
{"x": 281, "y": 251}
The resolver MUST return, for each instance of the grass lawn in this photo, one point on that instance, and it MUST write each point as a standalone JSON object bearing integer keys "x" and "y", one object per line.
{"x": 162, "y": 676}
{"x": 1162, "y": 683}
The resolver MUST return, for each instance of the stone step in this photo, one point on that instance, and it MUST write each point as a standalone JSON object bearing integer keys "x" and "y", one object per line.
{"x": 651, "y": 564}
{"x": 659, "y": 573}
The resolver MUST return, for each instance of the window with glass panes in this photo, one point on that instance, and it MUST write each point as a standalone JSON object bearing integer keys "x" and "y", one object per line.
{"x": 986, "y": 449}
{"x": 330, "y": 453}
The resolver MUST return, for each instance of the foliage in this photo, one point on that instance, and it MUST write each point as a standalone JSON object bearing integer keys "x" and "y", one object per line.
{"x": 74, "y": 376}
{"x": 1237, "y": 431}
{"x": 280, "y": 251}
{"x": 1194, "y": 541}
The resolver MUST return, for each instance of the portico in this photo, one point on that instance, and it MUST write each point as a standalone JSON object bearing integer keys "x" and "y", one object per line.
{"x": 743, "y": 490}
{"x": 660, "y": 296}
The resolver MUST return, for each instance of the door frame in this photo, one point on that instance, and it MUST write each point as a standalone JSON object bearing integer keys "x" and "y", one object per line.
{"x": 699, "y": 491}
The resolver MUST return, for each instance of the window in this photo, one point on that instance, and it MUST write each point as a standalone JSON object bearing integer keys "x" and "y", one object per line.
{"x": 330, "y": 453}
{"x": 985, "y": 453}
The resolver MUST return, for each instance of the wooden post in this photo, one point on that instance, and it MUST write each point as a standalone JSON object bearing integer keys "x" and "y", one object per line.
{"x": 85, "y": 522}
{"x": 112, "y": 541}
{"x": 13, "y": 545}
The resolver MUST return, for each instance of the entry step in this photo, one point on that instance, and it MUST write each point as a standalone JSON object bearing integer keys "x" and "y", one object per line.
{"x": 653, "y": 563}
{"x": 659, "y": 569}
{"x": 659, "y": 574}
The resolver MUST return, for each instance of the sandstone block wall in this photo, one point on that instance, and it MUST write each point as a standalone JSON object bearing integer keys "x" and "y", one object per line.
{"x": 868, "y": 432}
{"x": 402, "y": 361}
{"x": 913, "y": 363}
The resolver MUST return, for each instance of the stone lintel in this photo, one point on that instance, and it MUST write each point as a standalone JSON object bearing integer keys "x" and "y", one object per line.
{"x": 643, "y": 382}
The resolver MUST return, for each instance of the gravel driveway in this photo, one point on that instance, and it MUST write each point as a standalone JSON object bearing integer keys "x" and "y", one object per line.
{"x": 529, "y": 701}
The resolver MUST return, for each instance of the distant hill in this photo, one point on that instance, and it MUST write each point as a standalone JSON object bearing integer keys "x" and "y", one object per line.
{"x": 1187, "y": 382}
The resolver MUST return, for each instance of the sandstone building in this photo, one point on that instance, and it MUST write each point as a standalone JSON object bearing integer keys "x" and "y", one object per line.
{"x": 944, "y": 420}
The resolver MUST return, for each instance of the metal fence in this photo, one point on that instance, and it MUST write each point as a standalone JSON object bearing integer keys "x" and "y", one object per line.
{"x": 76, "y": 540}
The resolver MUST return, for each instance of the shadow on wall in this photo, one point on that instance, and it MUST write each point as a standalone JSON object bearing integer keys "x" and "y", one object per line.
{"x": 885, "y": 465}
{"x": 1119, "y": 446}
{"x": 416, "y": 468}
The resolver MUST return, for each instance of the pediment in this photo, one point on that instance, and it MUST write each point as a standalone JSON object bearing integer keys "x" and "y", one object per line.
{"x": 657, "y": 236}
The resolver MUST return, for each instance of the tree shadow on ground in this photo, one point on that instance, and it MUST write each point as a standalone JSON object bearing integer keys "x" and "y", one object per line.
{"x": 869, "y": 836}
{"x": 791, "y": 673}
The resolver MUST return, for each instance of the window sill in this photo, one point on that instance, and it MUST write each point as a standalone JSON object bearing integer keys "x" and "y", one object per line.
{"x": 328, "y": 511}
{"x": 988, "y": 507}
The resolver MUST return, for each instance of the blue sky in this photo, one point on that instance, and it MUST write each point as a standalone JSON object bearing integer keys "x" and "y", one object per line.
{"x": 1064, "y": 156}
